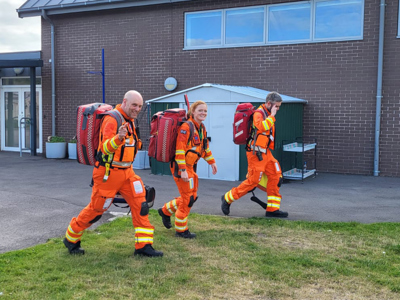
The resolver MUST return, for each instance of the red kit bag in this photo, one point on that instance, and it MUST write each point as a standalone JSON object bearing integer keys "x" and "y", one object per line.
{"x": 163, "y": 132}
{"x": 242, "y": 123}
{"x": 88, "y": 124}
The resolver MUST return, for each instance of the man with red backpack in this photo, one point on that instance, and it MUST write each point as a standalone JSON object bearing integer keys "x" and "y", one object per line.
{"x": 260, "y": 160}
{"x": 113, "y": 174}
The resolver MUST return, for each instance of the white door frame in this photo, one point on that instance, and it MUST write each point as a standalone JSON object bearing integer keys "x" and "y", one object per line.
{"x": 21, "y": 89}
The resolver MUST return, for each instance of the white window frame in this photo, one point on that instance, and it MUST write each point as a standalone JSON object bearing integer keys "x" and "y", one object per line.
{"x": 266, "y": 42}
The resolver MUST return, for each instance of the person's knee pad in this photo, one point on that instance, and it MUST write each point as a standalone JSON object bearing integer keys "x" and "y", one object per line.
{"x": 192, "y": 201}
{"x": 280, "y": 181}
{"x": 150, "y": 195}
{"x": 144, "y": 210}
{"x": 95, "y": 219}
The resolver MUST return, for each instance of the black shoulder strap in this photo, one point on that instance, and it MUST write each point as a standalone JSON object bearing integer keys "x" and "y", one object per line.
{"x": 116, "y": 115}
{"x": 191, "y": 130}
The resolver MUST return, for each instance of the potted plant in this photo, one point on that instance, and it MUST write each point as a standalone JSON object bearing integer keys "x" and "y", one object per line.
{"x": 72, "y": 148}
{"x": 56, "y": 147}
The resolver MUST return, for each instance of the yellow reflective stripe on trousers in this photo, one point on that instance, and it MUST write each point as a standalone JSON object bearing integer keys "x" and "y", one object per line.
{"x": 175, "y": 207}
{"x": 144, "y": 230}
{"x": 177, "y": 152}
{"x": 229, "y": 197}
{"x": 180, "y": 224}
{"x": 141, "y": 239}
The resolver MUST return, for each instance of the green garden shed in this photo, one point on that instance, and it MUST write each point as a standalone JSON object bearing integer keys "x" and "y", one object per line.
{"x": 222, "y": 101}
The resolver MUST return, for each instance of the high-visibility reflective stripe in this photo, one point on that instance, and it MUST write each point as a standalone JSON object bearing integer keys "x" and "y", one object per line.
{"x": 258, "y": 148}
{"x": 72, "y": 236}
{"x": 105, "y": 148}
{"x": 180, "y": 161}
{"x": 191, "y": 183}
{"x": 113, "y": 144}
{"x": 274, "y": 205}
{"x": 171, "y": 206}
{"x": 181, "y": 228}
{"x": 267, "y": 123}
{"x": 180, "y": 220}
{"x": 73, "y": 232}
{"x": 177, "y": 152}
{"x": 141, "y": 239}
{"x": 274, "y": 198}
{"x": 144, "y": 230}
{"x": 229, "y": 197}
{"x": 121, "y": 164}
{"x": 209, "y": 158}
{"x": 71, "y": 239}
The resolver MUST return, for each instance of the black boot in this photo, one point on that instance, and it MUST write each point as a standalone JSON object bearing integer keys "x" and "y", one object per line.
{"x": 225, "y": 206}
{"x": 276, "y": 214}
{"x": 166, "y": 220}
{"x": 186, "y": 234}
{"x": 73, "y": 248}
{"x": 148, "y": 250}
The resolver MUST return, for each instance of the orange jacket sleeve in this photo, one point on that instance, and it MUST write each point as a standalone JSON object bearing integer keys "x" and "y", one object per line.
{"x": 207, "y": 155}
{"x": 109, "y": 142}
{"x": 263, "y": 125}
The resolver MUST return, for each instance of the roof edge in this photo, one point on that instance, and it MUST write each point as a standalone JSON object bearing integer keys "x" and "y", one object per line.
{"x": 87, "y": 6}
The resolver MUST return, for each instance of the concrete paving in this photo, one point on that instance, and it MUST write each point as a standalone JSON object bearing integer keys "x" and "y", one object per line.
{"x": 39, "y": 196}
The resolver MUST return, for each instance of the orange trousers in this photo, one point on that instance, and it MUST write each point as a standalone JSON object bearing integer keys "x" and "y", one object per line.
{"x": 268, "y": 165}
{"x": 131, "y": 187}
{"x": 182, "y": 205}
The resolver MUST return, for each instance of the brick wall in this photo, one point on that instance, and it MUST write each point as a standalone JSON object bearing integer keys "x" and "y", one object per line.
{"x": 143, "y": 46}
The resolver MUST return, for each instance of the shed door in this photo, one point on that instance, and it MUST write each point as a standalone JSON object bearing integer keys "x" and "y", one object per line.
{"x": 219, "y": 127}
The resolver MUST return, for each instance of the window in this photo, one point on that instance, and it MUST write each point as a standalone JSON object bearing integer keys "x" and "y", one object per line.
{"x": 244, "y": 26}
{"x": 338, "y": 19}
{"x": 289, "y": 22}
{"x": 295, "y": 22}
{"x": 204, "y": 29}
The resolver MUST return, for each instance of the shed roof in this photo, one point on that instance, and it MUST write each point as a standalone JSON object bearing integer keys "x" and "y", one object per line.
{"x": 32, "y": 8}
{"x": 210, "y": 92}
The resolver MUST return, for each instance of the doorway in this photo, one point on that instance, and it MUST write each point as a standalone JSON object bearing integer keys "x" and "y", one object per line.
{"x": 15, "y": 118}
{"x": 219, "y": 129}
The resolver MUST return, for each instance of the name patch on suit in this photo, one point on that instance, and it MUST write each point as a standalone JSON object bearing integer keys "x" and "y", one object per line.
{"x": 183, "y": 131}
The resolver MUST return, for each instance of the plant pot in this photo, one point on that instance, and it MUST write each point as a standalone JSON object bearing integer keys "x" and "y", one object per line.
{"x": 56, "y": 150}
{"x": 72, "y": 150}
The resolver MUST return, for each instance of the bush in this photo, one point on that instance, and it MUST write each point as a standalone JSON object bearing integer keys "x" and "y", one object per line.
{"x": 55, "y": 139}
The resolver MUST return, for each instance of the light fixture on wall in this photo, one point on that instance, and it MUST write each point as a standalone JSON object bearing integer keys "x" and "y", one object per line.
{"x": 18, "y": 71}
{"x": 170, "y": 84}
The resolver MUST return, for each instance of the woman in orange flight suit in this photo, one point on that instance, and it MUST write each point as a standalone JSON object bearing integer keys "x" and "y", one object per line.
{"x": 189, "y": 149}
{"x": 113, "y": 173}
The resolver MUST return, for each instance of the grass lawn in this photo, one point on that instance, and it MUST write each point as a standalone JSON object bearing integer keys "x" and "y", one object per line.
{"x": 231, "y": 258}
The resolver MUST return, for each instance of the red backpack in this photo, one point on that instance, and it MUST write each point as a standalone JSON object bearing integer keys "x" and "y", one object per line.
{"x": 242, "y": 123}
{"x": 163, "y": 132}
{"x": 88, "y": 124}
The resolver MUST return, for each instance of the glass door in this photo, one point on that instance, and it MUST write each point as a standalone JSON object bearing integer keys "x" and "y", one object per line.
{"x": 16, "y": 117}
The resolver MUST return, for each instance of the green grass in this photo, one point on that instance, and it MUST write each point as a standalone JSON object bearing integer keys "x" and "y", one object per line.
{"x": 231, "y": 258}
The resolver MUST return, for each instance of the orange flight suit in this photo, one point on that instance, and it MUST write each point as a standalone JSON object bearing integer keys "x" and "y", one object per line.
{"x": 117, "y": 158}
{"x": 264, "y": 143}
{"x": 187, "y": 154}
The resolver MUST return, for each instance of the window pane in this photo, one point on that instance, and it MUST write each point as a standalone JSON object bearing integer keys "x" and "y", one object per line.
{"x": 244, "y": 26}
{"x": 338, "y": 19}
{"x": 203, "y": 29}
{"x": 289, "y": 22}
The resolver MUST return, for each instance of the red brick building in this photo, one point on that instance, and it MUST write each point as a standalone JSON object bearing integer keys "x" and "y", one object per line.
{"x": 323, "y": 51}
